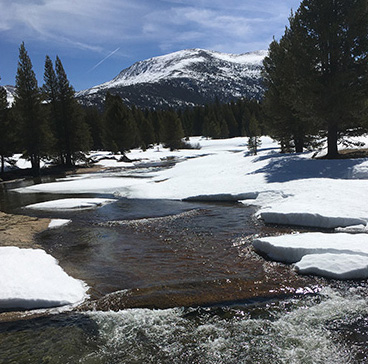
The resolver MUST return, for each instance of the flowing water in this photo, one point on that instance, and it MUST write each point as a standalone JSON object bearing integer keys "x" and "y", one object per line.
{"x": 177, "y": 282}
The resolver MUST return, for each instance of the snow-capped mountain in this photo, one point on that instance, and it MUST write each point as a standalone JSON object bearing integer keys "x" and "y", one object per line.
{"x": 188, "y": 77}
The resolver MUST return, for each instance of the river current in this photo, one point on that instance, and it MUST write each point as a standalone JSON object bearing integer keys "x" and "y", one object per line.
{"x": 178, "y": 282}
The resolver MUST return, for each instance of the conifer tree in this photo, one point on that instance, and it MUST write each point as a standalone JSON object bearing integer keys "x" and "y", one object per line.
{"x": 71, "y": 130}
{"x": 254, "y": 140}
{"x": 173, "y": 131}
{"x": 211, "y": 126}
{"x": 145, "y": 128}
{"x": 94, "y": 120}
{"x": 320, "y": 68}
{"x": 121, "y": 129}
{"x": 35, "y": 134}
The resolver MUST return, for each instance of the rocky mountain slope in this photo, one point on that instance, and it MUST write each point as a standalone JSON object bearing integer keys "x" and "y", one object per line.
{"x": 184, "y": 78}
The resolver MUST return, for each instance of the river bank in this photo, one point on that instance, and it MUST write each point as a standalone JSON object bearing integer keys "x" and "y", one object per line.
{"x": 20, "y": 230}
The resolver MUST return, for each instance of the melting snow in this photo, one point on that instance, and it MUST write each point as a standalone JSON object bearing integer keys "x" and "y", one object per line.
{"x": 56, "y": 223}
{"x": 335, "y": 255}
{"x": 30, "y": 278}
{"x": 71, "y": 204}
{"x": 291, "y": 189}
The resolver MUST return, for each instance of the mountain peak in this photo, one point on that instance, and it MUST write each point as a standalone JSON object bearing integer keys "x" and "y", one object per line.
{"x": 204, "y": 74}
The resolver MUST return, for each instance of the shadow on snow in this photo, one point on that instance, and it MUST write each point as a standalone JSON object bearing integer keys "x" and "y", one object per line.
{"x": 284, "y": 168}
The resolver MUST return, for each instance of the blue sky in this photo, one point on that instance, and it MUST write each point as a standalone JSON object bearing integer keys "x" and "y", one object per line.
{"x": 96, "y": 39}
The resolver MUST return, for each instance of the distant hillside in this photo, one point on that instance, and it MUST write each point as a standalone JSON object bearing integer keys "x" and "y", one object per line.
{"x": 184, "y": 78}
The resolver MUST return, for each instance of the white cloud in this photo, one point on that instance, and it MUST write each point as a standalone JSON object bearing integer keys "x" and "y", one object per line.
{"x": 97, "y": 25}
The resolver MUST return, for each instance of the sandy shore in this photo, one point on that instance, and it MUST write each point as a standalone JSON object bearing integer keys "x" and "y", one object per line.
{"x": 19, "y": 230}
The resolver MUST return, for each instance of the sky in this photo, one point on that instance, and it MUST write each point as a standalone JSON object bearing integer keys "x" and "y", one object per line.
{"x": 96, "y": 39}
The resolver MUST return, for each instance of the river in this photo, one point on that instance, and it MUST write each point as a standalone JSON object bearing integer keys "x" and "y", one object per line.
{"x": 178, "y": 282}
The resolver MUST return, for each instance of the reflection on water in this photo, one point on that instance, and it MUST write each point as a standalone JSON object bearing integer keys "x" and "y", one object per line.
{"x": 167, "y": 254}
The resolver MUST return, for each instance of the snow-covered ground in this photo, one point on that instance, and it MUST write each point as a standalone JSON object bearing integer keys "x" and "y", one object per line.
{"x": 291, "y": 189}
{"x": 30, "y": 278}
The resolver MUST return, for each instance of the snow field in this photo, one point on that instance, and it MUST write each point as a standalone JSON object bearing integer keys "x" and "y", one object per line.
{"x": 289, "y": 189}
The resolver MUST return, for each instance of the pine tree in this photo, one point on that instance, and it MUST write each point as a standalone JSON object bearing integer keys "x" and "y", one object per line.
{"x": 320, "y": 70}
{"x": 121, "y": 129}
{"x": 71, "y": 130}
{"x": 211, "y": 126}
{"x": 173, "y": 131}
{"x": 254, "y": 133}
{"x": 94, "y": 120}
{"x": 35, "y": 134}
{"x": 335, "y": 36}
{"x": 145, "y": 127}
{"x": 285, "y": 97}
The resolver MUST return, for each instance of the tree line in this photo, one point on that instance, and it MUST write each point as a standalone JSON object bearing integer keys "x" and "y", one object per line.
{"x": 48, "y": 122}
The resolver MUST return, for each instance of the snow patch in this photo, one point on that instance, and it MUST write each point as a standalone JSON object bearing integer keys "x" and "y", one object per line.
{"x": 31, "y": 278}
{"x": 56, "y": 223}
{"x": 71, "y": 204}
{"x": 335, "y": 255}
{"x": 337, "y": 266}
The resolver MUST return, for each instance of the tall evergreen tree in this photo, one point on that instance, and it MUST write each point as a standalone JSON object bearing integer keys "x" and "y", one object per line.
{"x": 121, "y": 129}
{"x": 71, "y": 130}
{"x": 35, "y": 134}
{"x": 325, "y": 52}
{"x": 173, "y": 130}
{"x": 94, "y": 121}
{"x": 336, "y": 37}
{"x": 283, "y": 96}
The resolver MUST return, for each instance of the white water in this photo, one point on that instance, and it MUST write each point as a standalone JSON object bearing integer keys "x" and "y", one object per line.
{"x": 295, "y": 331}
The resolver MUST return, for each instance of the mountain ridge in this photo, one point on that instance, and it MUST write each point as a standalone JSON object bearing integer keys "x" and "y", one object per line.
{"x": 184, "y": 78}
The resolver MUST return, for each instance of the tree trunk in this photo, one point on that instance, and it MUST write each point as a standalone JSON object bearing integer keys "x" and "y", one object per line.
{"x": 299, "y": 144}
{"x": 332, "y": 138}
{"x": 35, "y": 162}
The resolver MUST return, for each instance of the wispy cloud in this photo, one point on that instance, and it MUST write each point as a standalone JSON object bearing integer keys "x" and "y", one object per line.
{"x": 98, "y": 25}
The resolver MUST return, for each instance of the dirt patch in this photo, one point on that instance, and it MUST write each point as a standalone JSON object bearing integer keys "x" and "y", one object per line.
{"x": 349, "y": 154}
{"x": 19, "y": 230}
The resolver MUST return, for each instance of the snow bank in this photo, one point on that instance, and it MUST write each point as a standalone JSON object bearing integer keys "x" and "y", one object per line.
{"x": 338, "y": 266}
{"x": 71, "y": 204}
{"x": 335, "y": 255}
{"x": 319, "y": 202}
{"x": 56, "y": 223}
{"x": 31, "y": 278}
